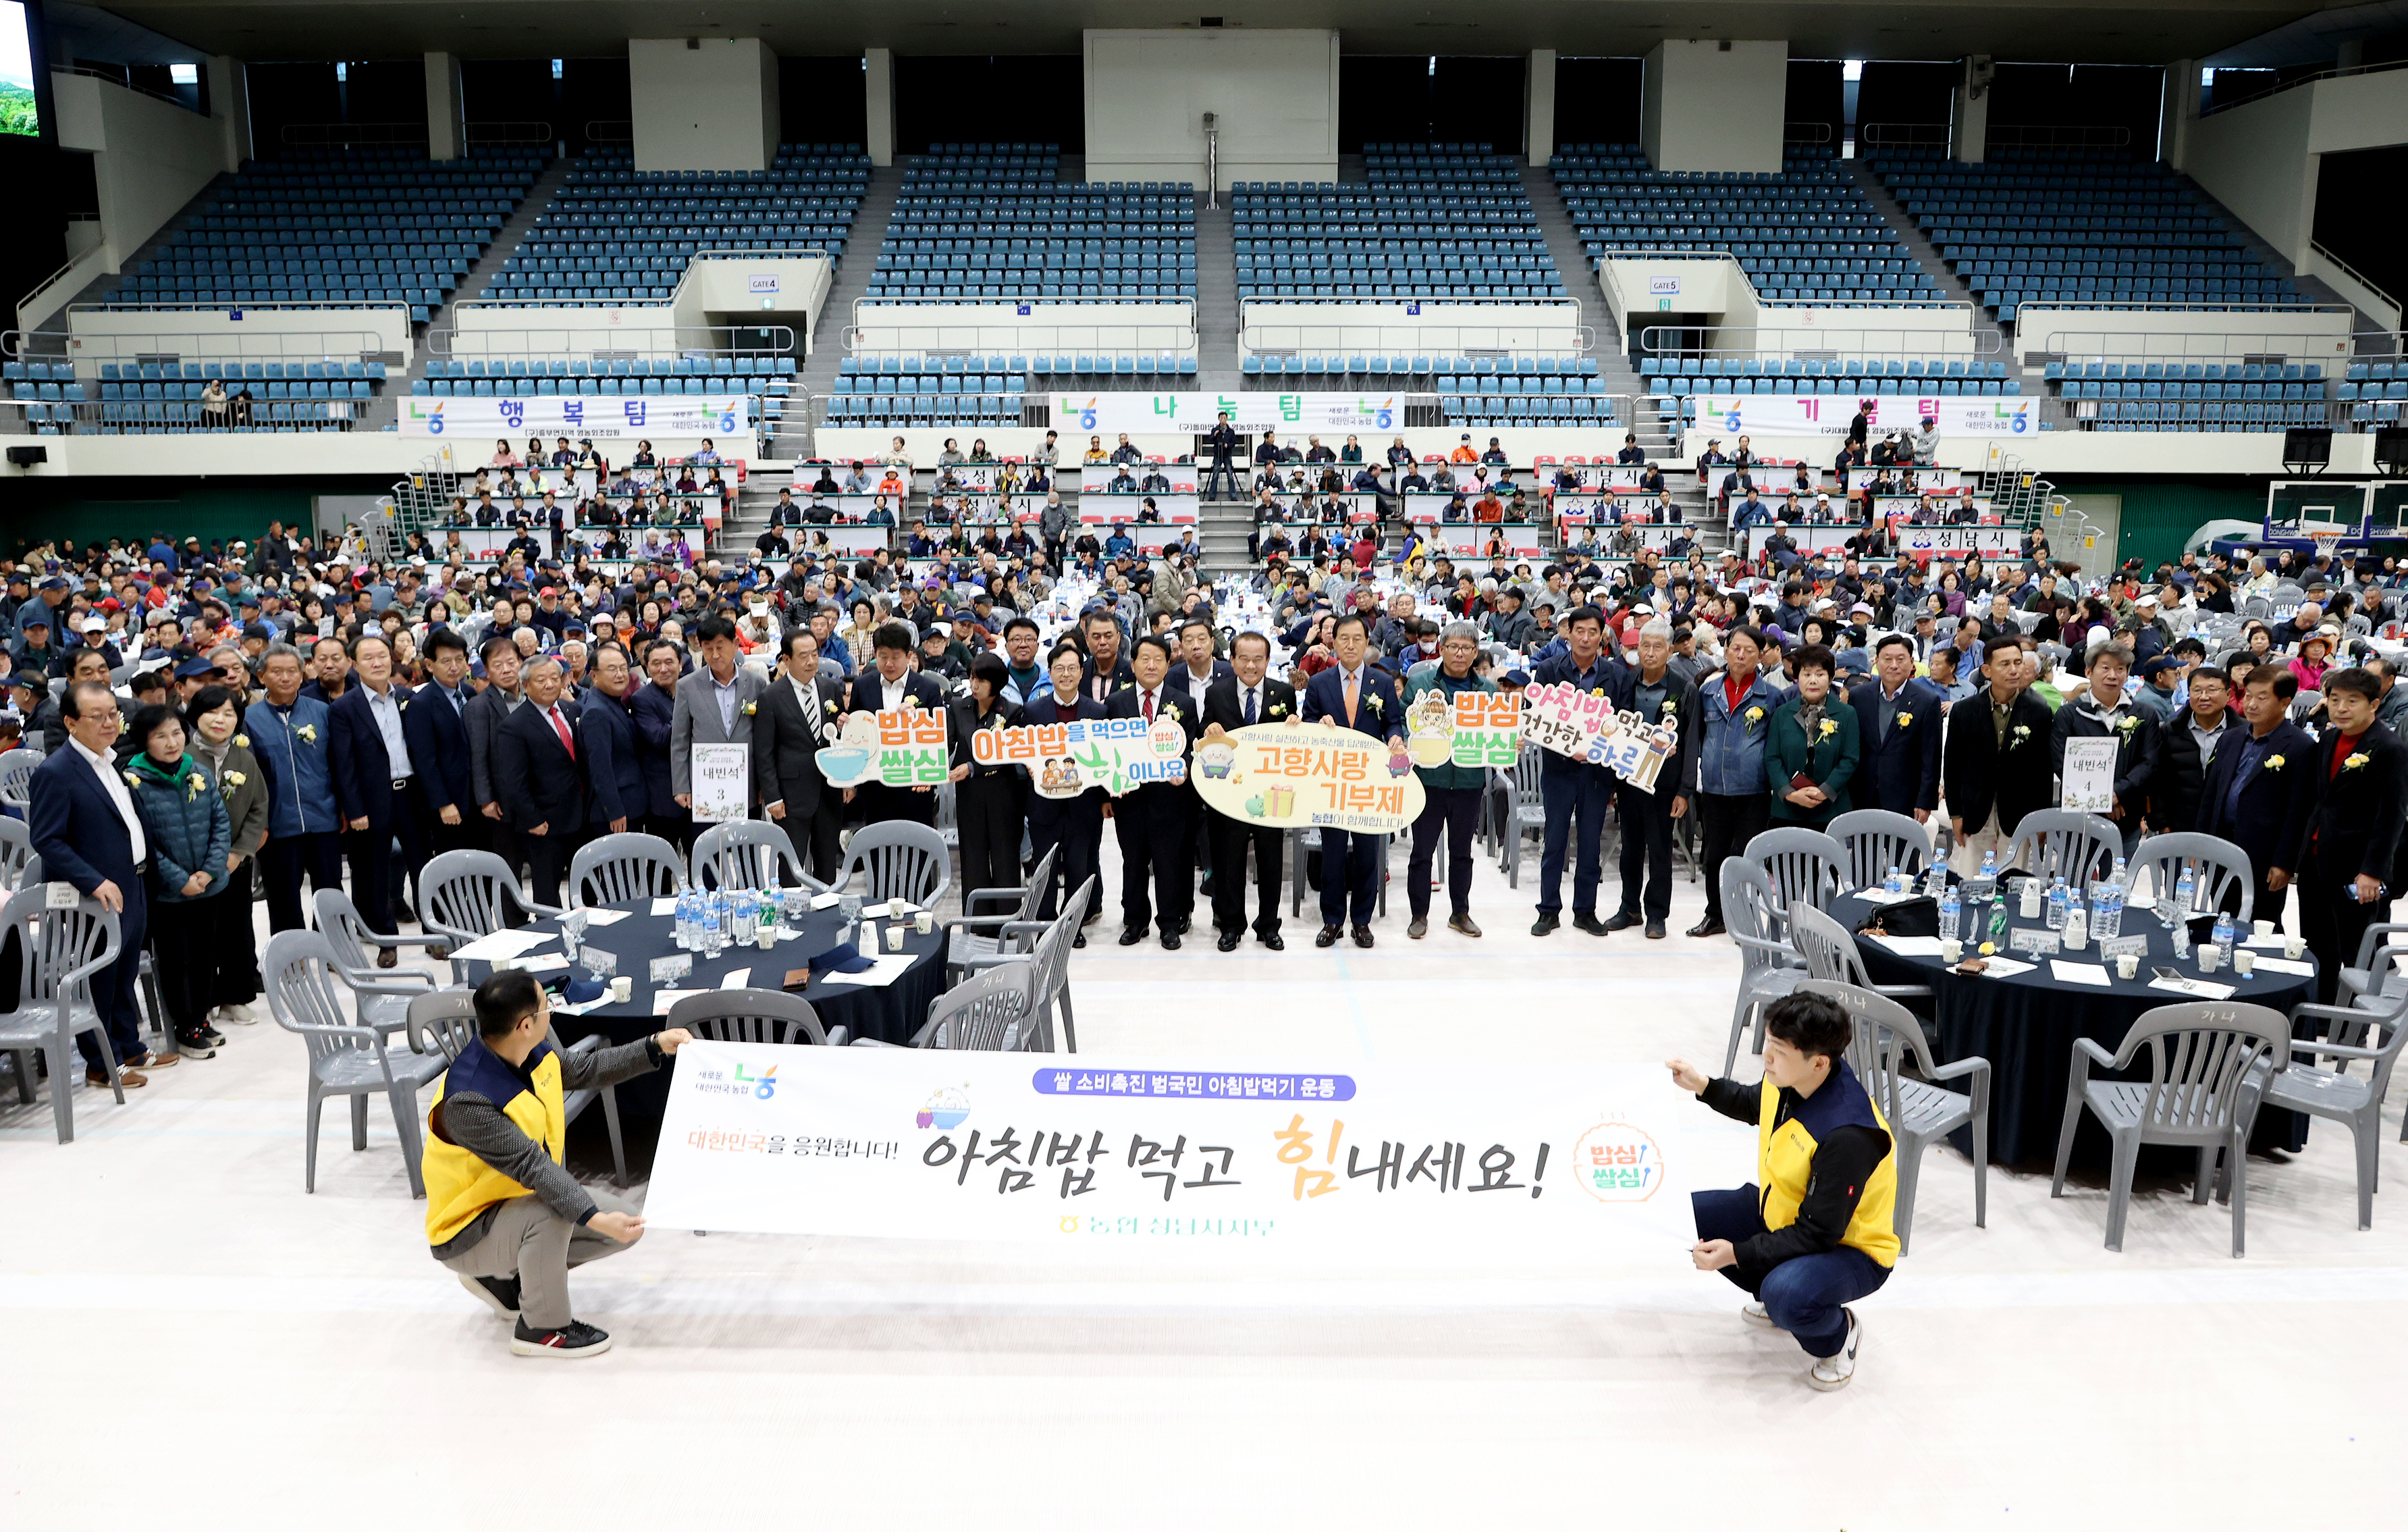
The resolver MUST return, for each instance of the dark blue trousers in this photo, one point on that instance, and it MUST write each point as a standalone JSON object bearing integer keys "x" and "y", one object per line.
{"x": 1350, "y": 873}
{"x": 1803, "y": 1295}
{"x": 1575, "y": 802}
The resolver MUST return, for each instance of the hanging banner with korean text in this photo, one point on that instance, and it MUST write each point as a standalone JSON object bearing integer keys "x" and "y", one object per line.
{"x": 903, "y": 748}
{"x": 1112, "y": 1154}
{"x": 1302, "y": 776}
{"x": 1066, "y": 759}
{"x": 578, "y": 417}
{"x": 1113, "y": 410}
{"x": 1473, "y": 729}
{"x": 1583, "y": 725}
{"x": 1828, "y": 415}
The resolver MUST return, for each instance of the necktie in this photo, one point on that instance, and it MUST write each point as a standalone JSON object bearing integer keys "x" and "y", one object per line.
{"x": 1149, "y": 706}
{"x": 1351, "y": 684}
{"x": 559, "y": 726}
{"x": 1250, "y": 704}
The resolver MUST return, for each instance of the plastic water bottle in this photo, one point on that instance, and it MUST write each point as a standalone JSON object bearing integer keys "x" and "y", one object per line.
{"x": 2110, "y": 918}
{"x": 2185, "y": 888}
{"x": 684, "y": 932}
{"x": 1935, "y": 877}
{"x": 1985, "y": 882}
{"x": 714, "y": 925}
{"x": 2224, "y": 931}
{"x": 2059, "y": 899}
{"x": 1951, "y": 915}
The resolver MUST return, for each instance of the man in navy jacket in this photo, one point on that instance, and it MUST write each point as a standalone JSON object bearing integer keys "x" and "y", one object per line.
{"x": 1900, "y": 716}
{"x": 654, "y": 710}
{"x": 542, "y": 777}
{"x": 288, "y": 738}
{"x": 1351, "y": 694}
{"x": 435, "y": 728}
{"x": 2261, "y": 787}
{"x": 1575, "y": 793}
{"x": 606, "y": 731}
{"x": 372, "y": 771}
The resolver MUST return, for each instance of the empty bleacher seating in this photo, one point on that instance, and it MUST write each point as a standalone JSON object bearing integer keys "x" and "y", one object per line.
{"x": 1432, "y": 222}
{"x": 2375, "y": 393}
{"x": 1934, "y": 377}
{"x": 965, "y": 391}
{"x": 616, "y": 235}
{"x": 484, "y": 379}
{"x": 2140, "y": 395}
{"x": 114, "y": 398}
{"x": 1807, "y": 235}
{"x": 327, "y": 226}
{"x": 2077, "y": 226}
{"x": 993, "y": 222}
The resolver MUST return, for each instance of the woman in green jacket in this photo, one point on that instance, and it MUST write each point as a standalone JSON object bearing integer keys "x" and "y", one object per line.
{"x": 185, "y": 825}
{"x": 213, "y": 723}
{"x": 1813, "y": 735}
{"x": 1451, "y": 792}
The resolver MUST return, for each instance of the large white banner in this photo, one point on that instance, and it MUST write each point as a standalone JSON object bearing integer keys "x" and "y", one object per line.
{"x": 583, "y": 416}
{"x": 1829, "y": 414}
{"x": 1248, "y": 411}
{"x": 1918, "y": 541}
{"x": 1080, "y": 1151}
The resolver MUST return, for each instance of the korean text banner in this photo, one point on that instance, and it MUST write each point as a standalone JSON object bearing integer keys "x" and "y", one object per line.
{"x": 1248, "y": 411}
{"x": 1066, "y": 759}
{"x": 1298, "y": 776}
{"x": 601, "y": 419}
{"x": 1079, "y": 1150}
{"x": 1829, "y": 414}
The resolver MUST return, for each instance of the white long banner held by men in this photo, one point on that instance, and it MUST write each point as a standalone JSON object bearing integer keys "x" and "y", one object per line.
{"x": 1105, "y": 1154}
{"x": 576, "y": 417}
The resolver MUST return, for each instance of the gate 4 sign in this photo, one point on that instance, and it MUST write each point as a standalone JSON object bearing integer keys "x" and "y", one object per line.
{"x": 1586, "y": 1163}
{"x": 1583, "y": 725}
{"x": 1300, "y": 776}
{"x": 1066, "y": 759}
{"x": 905, "y": 748}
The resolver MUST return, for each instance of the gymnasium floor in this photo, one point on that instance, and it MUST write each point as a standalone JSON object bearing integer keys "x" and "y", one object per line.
{"x": 193, "y": 1342}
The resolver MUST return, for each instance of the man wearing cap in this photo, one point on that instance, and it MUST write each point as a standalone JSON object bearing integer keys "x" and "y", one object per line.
{"x": 33, "y": 653}
{"x": 48, "y": 606}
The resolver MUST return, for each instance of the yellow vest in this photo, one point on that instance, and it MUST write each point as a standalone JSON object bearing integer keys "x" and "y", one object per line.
{"x": 1784, "y": 1160}
{"x": 459, "y": 1185}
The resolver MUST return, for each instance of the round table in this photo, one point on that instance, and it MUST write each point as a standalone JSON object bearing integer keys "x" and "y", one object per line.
{"x": 2025, "y": 1025}
{"x": 889, "y": 1013}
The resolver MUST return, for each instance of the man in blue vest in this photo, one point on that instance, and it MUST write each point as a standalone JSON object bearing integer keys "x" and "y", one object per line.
{"x": 1730, "y": 725}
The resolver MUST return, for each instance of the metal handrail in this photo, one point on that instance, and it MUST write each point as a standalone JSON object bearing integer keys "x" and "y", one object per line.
{"x": 2278, "y": 87}
{"x": 56, "y": 276}
{"x": 2201, "y": 345}
{"x": 128, "y": 85}
{"x": 103, "y": 346}
{"x": 1814, "y": 132}
{"x": 610, "y": 130}
{"x": 1914, "y": 345}
{"x": 345, "y": 135}
{"x": 363, "y": 305}
{"x": 2347, "y": 270}
{"x": 2057, "y": 136}
{"x": 1384, "y": 338}
{"x": 798, "y": 253}
{"x": 1902, "y": 132}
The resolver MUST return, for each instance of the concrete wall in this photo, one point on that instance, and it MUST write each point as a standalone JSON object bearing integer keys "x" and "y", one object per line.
{"x": 1704, "y": 109}
{"x": 1384, "y": 329}
{"x": 1065, "y": 329}
{"x": 1274, "y": 93}
{"x": 2301, "y": 335}
{"x": 263, "y": 333}
{"x": 2260, "y": 160}
{"x": 2059, "y": 452}
{"x": 709, "y": 107}
{"x": 148, "y": 158}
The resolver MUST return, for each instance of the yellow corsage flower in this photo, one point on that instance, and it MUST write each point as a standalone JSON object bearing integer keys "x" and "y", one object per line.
{"x": 2126, "y": 726}
{"x": 2354, "y": 762}
{"x": 1377, "y": 706}
{"x": 2271, "y": 763}
{"x": 308, "y": 733}
{"x": 1905, "y": 720}
{"x": 1829, "y": 728}
{"x": 1756, "y": 715}
{"x": 131, "y": 780}
{"x": 831, "y": 707}
{"x": 197, "y": 784}
{"x": 243, "y": 741}
{"x": 749, "y": 708}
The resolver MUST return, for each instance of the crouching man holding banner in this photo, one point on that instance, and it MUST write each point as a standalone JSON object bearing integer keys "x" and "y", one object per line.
{"x": 501, "y": 1212}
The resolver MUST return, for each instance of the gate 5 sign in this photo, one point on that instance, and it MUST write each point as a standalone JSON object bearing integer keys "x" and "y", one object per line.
{"x": 1594, "y": 1161}
{"x": 1300, "y": 776}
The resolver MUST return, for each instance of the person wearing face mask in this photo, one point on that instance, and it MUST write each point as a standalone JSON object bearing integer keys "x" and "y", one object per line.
{"x": 212, "y": 735}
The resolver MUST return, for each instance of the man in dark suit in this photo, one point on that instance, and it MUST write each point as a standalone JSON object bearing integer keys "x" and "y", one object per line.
{"x": 1075, "y": 825}
{"x": 2259, "y": 785}
{"x": 2104, "y": 713}
{"x": 436, "y": 729}
{"x": 1246, "y": 696}
{"x": 86, "y": 830}
{"x": 543, "y": 776}
{"x": 369, "y": 754}
{"x": 798, "y": 715}
{"x": 1107, "y": 669}
{"x": 1351, "y": 694}
{"x": 1656, "y": 691}
{"x": 1576, "y": 793}
{"x": 481, "y": 720}
{"x": 1192, "y": 670}
{"x": 606, "y": 737}
{"x": 2352, "y": 858}
{"x": 889, "y": 684}
{"x": 654, "y": 709}
{"x": 2188, "y": 745}
{"x": 1155, "y": 822}
{"x": 1900, "y": 716}
{"x": 1995, "y": 767}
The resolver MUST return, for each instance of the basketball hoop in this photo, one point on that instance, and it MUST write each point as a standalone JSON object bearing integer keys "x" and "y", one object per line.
{"x": 2327, "y": 543}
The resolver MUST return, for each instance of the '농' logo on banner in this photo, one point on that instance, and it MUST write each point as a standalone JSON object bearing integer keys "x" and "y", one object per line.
{"x": 765, "y": 1084}
{"x": 1616, "y": 1162}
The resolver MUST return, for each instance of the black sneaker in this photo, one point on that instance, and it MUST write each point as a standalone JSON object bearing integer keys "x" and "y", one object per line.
{"x": 1544, "y": 924}
{"x": 194, "y": 1045}
{"x": 572, "y": 1340}
{"x": 1590, "y": 923}
{"x": 499, "y": 1294}
{"x": 214, "y": 1037}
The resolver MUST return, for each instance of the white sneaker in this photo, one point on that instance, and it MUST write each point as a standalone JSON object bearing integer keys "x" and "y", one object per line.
{"x": 1839, "y": 1370}
{"x": 1755, "y": 1313}
{"x": 239, "y": 1015}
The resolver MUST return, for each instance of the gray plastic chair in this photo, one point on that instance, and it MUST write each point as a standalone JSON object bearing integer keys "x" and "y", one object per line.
{"x": 60, "y": 950}
{"x": 1888, "y": 1042}
{"x": 380, "y": 997}
{"x": 2353, "y": 1033}
{"x": 752, "y": 1016}
{"x": 1048, "y": 946}
{"x": 2064, "y": 842}
{"x": 16, "y": 851}
{"x": 344, "y": 1059}
{"x": 624, "y": 869}
{"x": 2219, "y": 870}
{"x": 749, "y": 854}
{"x": 16, "y": 778}
{"x": 1526, "y": 812}
{"x": 1830, "y": 952}
{"x": 895, "y": 859}
{"x": 972, "y": 937}
{"x": 2208, "y": 1060}
{"x": 1802, "y": 865}
{"x": 1770, "y": 967}
{"x": 444, "y": 1021}
{"x": 1874, "y": 840}
{"x": 463, "y": 896}
{"x": 2367, "y": 981}
{"x": 994, "y": 1013}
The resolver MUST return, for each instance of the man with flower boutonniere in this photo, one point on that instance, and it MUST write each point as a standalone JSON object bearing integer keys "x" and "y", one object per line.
{"x": 2259, "y": 786}
{"x": 1898, "y": 715}
{"x": 2105, "y": 713}
{"x": 288, "y": 736}
{"x": 1727, "y": 735}
{"x": 1351, "y": 694}
{"x": 889, "y": 684}
{"x": 2350, "y": 865}
{"x": 1993, "y": 769}
{"x": 1155, "y": 822}
{"x": 1247, "y": 696}
{"x": 798, "y": 717}
{"x": 373, "y": 774}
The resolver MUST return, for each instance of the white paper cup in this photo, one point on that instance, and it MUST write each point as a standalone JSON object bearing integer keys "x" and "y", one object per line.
{"x": 2295, "y": 948}
{"x": 623, "y": 989}
{"x": 894, "y": 939}
{"x": 923, "y": 922}
{"x": 2262, "y": 928}
{"x": 2208, "y": 958}
{"x": 896, "y": 909}
{"x": 2127, "y": 966}
{"x": 2245, "y": 962}
{"x": 766, "y": 937}
{"x": 2030, "y": 898}
{"x": 1952, "y": 952}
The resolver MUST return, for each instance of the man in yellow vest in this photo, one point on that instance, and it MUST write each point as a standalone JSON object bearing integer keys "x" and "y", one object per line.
{"x": 1814, "y": 1234}
{"x": 501, "y": 1212}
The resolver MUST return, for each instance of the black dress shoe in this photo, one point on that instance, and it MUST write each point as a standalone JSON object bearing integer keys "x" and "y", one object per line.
{"x": 1362, "y": 936}
{"x": 1184, "y": 925}
{"x": 1328, "y": 936}
{"x": 1588, "y": 923}
{"x": 1171, "y": 942}
{"x": 1543, "y": 925}
{"x": 1274, "y": 943}
{"x": 1655, "y": 930}
{"x": 1131, "y": 937}
{"x": 1707, "y": 927}
{"x": 1080, "y": 940}
{"x": 1228, "y": 942}
{"x": 1622, "y": 919}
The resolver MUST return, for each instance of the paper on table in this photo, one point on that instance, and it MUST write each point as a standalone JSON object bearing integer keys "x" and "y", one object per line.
{"x": 889, "y": 968}
{"x": 2196, "y": 988}
{"x": 736, "y": 978}
{"x": 502, "y": 944}
{"x": 2267, "y": 944}
{"x": 542, "y": 966}
{"x": 663, "y": 999}
{"x": 2005, "y": 967}
{"x": 826, "y": 901}
{"x": 2284, "y": 965}
{"x": 665, "y": 906}
{"x": 1883, "y": 896}
{"x": 2079, "y": 973}
{"x": 606, "y": 917}
{"x": 1912, "y": 946}
{"x": 579, "y": 1007}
